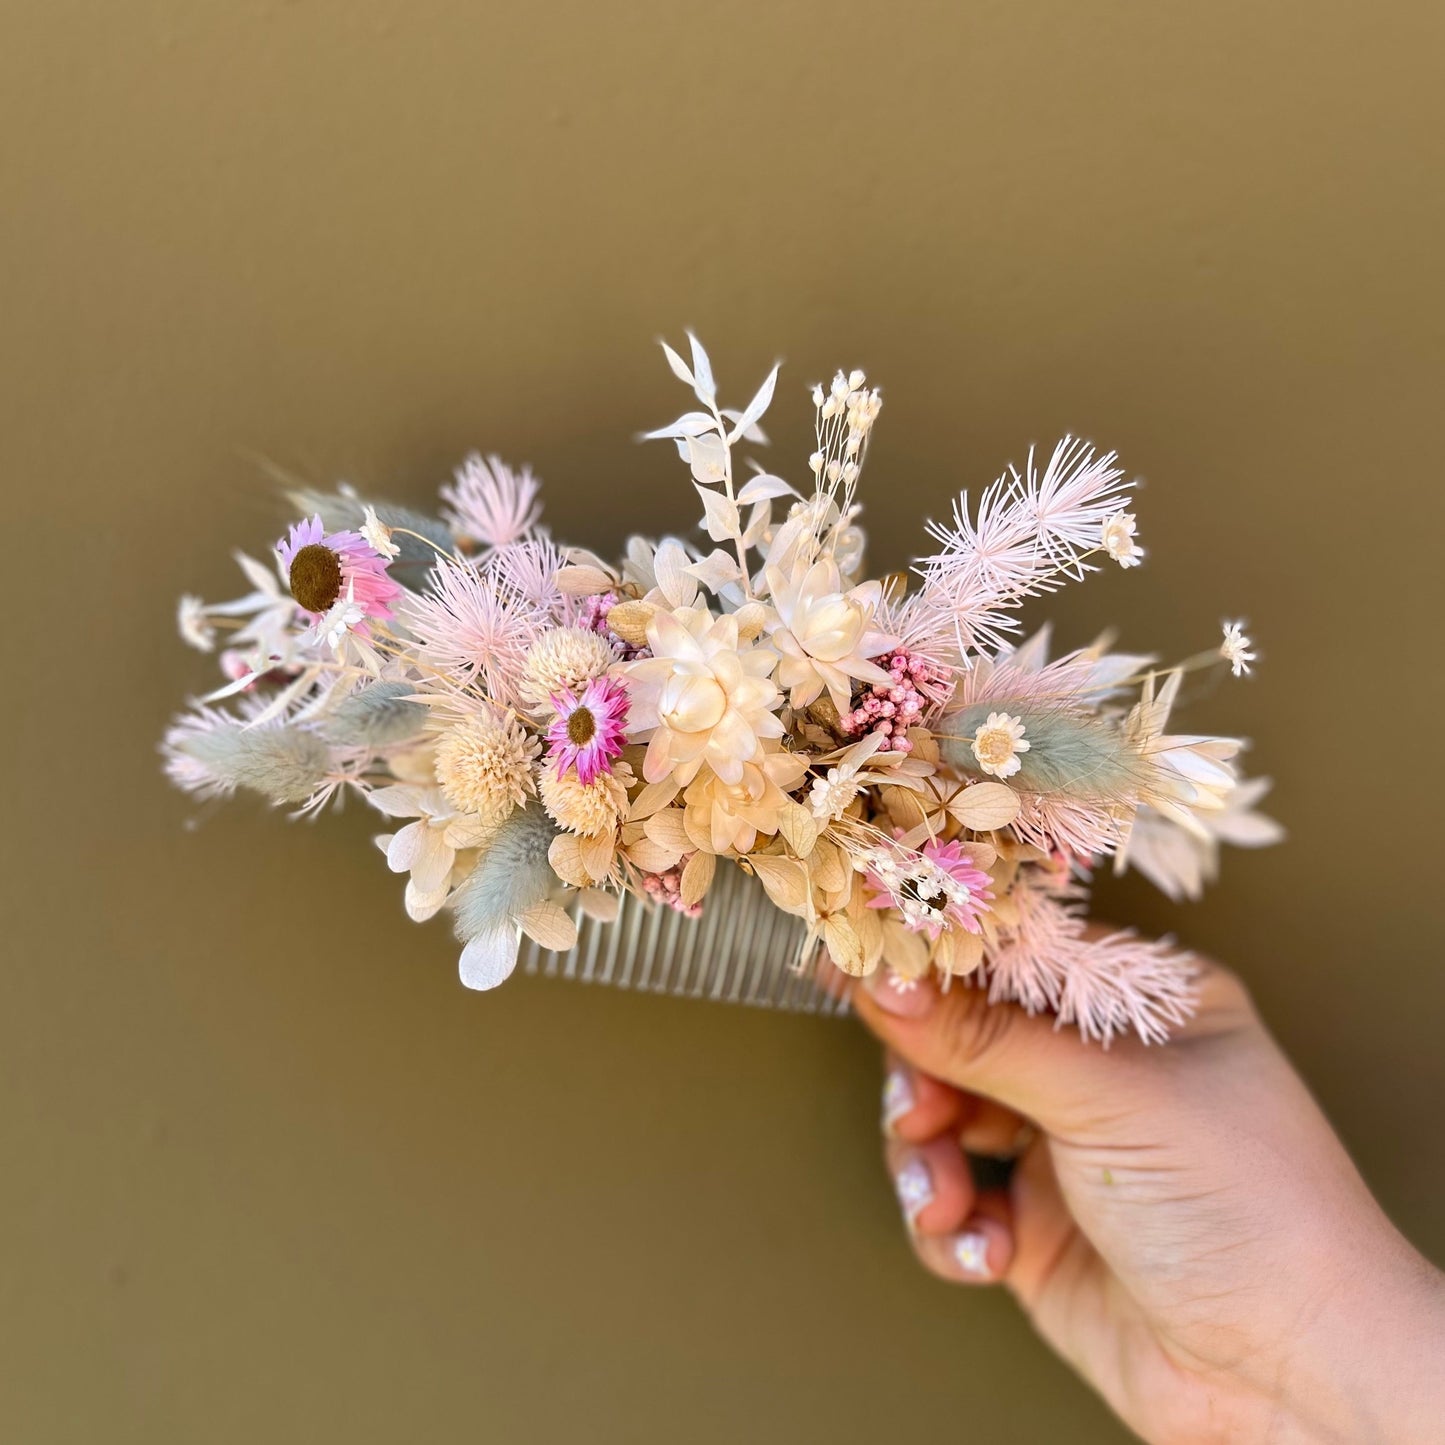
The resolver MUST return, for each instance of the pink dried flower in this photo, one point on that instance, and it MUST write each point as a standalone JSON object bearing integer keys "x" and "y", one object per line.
{"x": 588, "y": 730}
{"x": 322, "y": 568}
{"x": 939, "y": 888}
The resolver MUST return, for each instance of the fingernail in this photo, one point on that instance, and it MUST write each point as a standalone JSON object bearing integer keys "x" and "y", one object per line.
{"x": 908, "y": 998}
{"x": 971, "y": 1252}
{"x": 914, "y": 1183}
{"x": 898, "y": 1098}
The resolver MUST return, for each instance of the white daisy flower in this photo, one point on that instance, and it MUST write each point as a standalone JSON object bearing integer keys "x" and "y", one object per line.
{"x": 1118, "y": 540}
{"x": 998, "y": 743}
{"x": 1235, "y": 649}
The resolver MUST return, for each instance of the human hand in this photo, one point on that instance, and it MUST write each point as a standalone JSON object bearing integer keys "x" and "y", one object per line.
{"x": 1182, "y": 1224}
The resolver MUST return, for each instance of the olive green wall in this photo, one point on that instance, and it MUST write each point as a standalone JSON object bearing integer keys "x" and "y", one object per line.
{"x": 269, "y": 1173}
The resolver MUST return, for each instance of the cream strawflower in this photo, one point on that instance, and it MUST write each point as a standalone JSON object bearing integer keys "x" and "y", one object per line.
{"x": 702, "y": 698}
{"x": 564, "y": 659}
{"x": 484, "y": 765}
{"x": 591, "y": 808}
{"x": 825, "y": 635}
{"x": 998, "y": 743}
{"x": 1118, "y": 540}
{"x": 724, "y": 817}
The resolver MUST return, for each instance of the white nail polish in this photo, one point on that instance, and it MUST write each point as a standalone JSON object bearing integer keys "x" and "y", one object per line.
{"x": 914, "y": 1183}
{"x": 898, "y": 1097}
{"x": 971, "y": 1252}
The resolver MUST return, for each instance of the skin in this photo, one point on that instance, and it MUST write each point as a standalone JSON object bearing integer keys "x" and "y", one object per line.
{"x": 1182, "y": 1225}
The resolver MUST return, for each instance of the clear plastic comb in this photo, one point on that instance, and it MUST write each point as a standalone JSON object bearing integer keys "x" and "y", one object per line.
{"x": 741, "y": 950}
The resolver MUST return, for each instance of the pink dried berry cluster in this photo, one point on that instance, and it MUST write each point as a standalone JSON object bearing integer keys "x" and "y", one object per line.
{"x": 594, "y": 617}
{"x": 892, "y": 707}
{"x": 667, "y": 888}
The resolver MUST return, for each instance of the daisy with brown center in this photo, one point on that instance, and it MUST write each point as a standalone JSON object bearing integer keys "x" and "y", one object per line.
{"x": 324, "y": 569}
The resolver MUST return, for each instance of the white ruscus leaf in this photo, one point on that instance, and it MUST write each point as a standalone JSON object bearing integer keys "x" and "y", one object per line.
{"x": 707, "y": 456}
{"x": 720, "y": 515}
{"x": 757, "y": 406}
{"x": 763, "y": 488}
{"x": 703, "y": 384}
{"x": 678, "y": 365}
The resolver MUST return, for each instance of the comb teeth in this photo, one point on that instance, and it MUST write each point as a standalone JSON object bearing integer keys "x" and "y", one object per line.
{"x": 742, "y": 950}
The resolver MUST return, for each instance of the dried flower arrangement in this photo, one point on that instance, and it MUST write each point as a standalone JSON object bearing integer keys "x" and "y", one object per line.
{"x": 552, "y": 732}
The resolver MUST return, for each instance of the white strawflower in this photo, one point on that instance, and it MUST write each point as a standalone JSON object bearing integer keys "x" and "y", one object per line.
{"x": 484, "y": 765}
{"x": 332, "y": 629}
{"x": 587, "y": 808}
{"x": 998, "y": 743}
{"x": 1118, "y": 540}
{"x": 378, "y": 535}
{"x": 1235, "y": 649}
{"x": 703, "y": 697}
{"x": 565, "y": 659}
{"x": 831, "y": 794}
{"x": 825, "y": 635}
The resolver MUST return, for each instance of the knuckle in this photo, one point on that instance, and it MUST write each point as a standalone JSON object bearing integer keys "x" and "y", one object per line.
{"x": 972, "y": 1030}
{"x": 1223, "y": 994}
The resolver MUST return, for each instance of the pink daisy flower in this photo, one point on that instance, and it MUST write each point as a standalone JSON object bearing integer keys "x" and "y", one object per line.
{"x": 587, "y": 732}
{"x": 940, "y": 887}
{"x": 322, "y": 568}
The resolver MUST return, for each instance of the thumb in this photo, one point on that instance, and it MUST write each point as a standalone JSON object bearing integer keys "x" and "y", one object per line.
{"x": 998, "y": 1050}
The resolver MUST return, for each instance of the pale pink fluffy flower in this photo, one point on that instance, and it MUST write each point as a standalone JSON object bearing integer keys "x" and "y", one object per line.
{"x": 468, "y": 626}
{"x": 1126, "y": 984}
{"x": 1027, "y": 966}
{"x": 1104, "y": 987}
{"x": 490, "y": 503}
{"x": 1030, "y": 533}
{"x": 529, "y": 569}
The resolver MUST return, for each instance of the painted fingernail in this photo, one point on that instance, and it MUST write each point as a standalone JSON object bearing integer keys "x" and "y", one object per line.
{"x": 914, "y": 1183}
{"x": 908, "y": 998}
{"x": 898, "y": 1098}
{"x": 971, "y": 1252}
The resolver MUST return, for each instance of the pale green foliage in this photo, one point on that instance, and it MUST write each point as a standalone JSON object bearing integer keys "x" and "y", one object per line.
{"x": 377, "y": 716}
{"x": 511, "y": 877}
{"x": 284, "y": 764}
{"x": 1072, "y": 753}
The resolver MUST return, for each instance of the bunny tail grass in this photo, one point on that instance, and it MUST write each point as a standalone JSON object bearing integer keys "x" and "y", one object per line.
{"x": 377, "y": 716}
{"x": 1075, "y": 754}
{"x": 285, "y": 764}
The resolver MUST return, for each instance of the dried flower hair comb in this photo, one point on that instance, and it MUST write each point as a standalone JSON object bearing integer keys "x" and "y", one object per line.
{"x": 727, "y": 771}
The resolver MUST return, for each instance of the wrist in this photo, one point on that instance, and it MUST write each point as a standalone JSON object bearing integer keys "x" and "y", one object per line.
{"x": 1367, "y": 1366}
